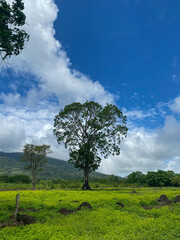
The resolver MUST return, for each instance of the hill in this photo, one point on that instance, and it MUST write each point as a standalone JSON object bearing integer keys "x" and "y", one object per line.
{"x": 10, "y": 164}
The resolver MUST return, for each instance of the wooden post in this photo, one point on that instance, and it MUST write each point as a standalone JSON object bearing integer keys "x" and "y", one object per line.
{"x": 17, "y": 207}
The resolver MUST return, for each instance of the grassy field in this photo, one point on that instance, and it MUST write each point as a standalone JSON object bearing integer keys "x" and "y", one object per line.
{"x": 106, "y": 219}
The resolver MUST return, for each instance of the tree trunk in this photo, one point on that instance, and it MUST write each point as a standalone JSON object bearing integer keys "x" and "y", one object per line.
{"x": 34, "y": 185}
{"x": 86, "y": 182}
{"x": 34, "y": 181}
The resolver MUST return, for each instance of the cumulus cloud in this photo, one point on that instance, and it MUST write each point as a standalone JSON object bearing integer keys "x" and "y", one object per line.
{"x": 45, "y": 58}
{"x": 175, "y": 105}
{"x": 145, "y": 150}
{"x": 174, "y": 164}
{"x": 12, "y": 133}
{"x": 21, "y": 125}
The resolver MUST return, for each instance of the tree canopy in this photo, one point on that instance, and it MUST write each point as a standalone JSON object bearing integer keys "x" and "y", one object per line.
{"x": 136, "y": 177}
{"x": 90, "y": 132}
{"x": 35, "y": 158}
{"x": 159, "y": 178}
{"x": 12, "y": 37}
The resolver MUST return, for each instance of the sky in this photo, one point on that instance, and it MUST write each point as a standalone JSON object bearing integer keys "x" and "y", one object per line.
{"x": 125, "y": 52}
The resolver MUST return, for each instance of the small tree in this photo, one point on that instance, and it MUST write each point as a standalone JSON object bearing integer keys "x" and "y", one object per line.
{"x": 12, "y": 38}
{"x": 90, "y": 131}
{"x": 35, "y": 159}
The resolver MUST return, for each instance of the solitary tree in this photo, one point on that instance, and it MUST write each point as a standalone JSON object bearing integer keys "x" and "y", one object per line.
{"x": 35, "y": 159}
{"x": 12, "y": 37}
{"x": 90, "y": 131}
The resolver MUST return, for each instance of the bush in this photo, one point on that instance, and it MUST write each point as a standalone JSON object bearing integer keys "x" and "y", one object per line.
{"x": 15, "y": 179}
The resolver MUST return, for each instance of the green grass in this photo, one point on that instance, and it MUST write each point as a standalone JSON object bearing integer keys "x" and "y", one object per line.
{"x": 106, "y": 220}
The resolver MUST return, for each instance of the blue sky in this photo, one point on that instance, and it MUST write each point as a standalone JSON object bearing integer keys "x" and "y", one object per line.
{"x": 129, "y": 46}
{"x": 124, "y": 52}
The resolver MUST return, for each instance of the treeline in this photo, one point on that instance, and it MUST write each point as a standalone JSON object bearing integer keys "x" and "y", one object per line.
{"x": 135, "y": 179}
{"x": 15, "y": 179}
{"x": 154, "y": 179}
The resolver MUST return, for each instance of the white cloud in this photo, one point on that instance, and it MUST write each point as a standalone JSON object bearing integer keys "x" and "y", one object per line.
{"x": 20, "y": 125}
{"x": 44, "y": 57}
{"x": 142, "y": 150}
{"x": 10, "y": 98}
{"x": 174, "y": 164}
{"x": 139, "y": 114}
{"x": 175, "y": 105}
{"x": 146, "y": 150}
{"x": 12, "y": 133}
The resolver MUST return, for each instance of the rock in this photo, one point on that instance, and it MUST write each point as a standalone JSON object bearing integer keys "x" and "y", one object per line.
{"x": 177, "y": 199}
{"x": 26, "y": 219}
{"x": 120, "y": 204}
{"x": 84, "y": 205}
{"x": 163, "y": 200}
{"x": 66, "y": 211}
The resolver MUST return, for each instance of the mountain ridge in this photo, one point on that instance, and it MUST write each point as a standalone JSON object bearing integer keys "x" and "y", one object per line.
{"x": 10, "y": 164}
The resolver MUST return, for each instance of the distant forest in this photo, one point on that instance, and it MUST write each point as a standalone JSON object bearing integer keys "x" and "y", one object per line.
{"x": 63, "y": 174}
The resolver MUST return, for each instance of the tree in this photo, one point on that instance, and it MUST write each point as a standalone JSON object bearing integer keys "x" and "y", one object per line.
{"x": 12, "y": 37}
{"x": 136, "y": 177}
{"x": 90, "y": 131}
{"x": 159, "y": 179}
{"x": 35, "y": 157}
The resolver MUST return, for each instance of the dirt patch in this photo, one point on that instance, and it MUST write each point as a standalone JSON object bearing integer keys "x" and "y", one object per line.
{"x": 84, "y": 205}
{"x": 133, "y": 191}
{"x": 75, "y": 201}
{"x": 120, "y": 204}
{"x": 177, "y": 199}
{"x": 66, "y": 211}
{"x": 60, "y": 200}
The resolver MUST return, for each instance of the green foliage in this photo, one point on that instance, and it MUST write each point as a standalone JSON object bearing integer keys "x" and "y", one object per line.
{"x": 113, "y": 178}
{"x": 175, "y": 181}
{"x": 12, "y": 37}
{"x": 153, "y": 179}
{"x": 90, "y": 131}
{"x": 106, "y": 220}
{"x": 136, "y": 177}
{"x": 15, "y": 179}
{"x": 35, "y": 158}
{"x": 159, "y": 179}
